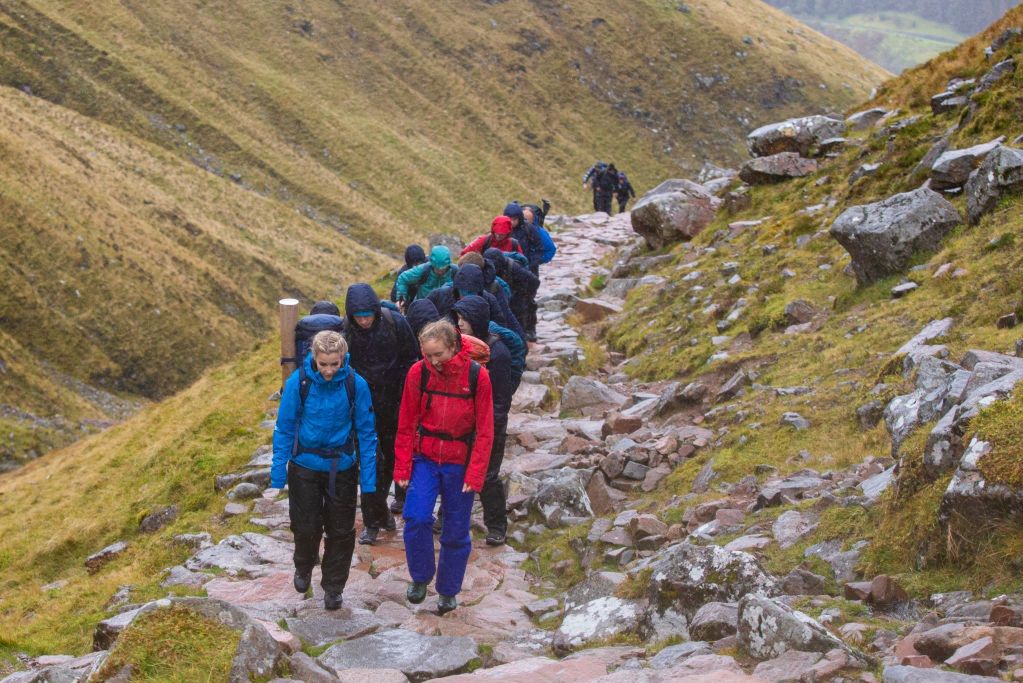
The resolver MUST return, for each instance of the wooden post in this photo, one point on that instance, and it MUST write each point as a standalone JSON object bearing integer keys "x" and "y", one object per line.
{"x": 289, "y": 318}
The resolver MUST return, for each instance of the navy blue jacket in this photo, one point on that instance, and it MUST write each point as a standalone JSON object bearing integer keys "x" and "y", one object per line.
{"x": 421, "y": 313}
{"x": 381, "y": 354}
{"x": 477, "y": 312}
{"x": 469, "y": 280}
{"x": 527, "y": 235}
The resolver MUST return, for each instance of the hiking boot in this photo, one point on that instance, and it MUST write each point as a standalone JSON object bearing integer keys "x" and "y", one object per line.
{"x": 302, "y": 580}
{"x": 530, "y": 336}
{"x": 390, "y": 524}
{"x": 332, "y": 600}
{"x": 446, "y": 603}
{"x": 416, "y": 592}
{"x": 397, "y": 506}
{"x": 369, "y": 536}
{"x": 495, "y": 537}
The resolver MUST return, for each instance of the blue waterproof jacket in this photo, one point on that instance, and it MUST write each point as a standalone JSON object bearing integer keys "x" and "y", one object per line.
{"x": 549, "y": 248}
{"x": 326, "y": 423}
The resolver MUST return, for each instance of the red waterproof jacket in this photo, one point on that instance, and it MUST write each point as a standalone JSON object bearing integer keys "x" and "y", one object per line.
{"x": 454, "y": 414}
{"x": 500, "y": 237}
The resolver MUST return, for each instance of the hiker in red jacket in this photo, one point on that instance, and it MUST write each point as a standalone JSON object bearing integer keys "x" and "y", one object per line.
{"x": 445, "y": 435}
{"x": 498, "y": 238}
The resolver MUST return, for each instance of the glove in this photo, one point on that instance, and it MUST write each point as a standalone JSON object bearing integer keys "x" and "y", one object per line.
{"x": 271, "y": 493}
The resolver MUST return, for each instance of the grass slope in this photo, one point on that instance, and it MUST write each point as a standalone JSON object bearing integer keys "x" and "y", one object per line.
{"x": 668, "y": 332}
{"x": 174, "y": 162}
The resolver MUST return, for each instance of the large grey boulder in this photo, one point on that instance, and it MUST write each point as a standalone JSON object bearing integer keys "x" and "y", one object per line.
{"x": 562, "y": 493}
{"x": 673, "y": 212}
{"x": 714, "y": 621}
{"x": 776, "y": 168}
{"x": 1001, "y": 172}
{"x": 419, "y": 657}
{"x": 599, "y": 619}
{"x": 799, "y": 135}
{"x": 907, "y": 412}
{"x": 684, "y": 577}
{"x": 582, "y": 392}
{"x": 768, "y": 628}
{"x": 953, "y": 168}
{"x": 882, "y": 237}
{"x": 971, "y": 497}
{"x": 862, "y": 120}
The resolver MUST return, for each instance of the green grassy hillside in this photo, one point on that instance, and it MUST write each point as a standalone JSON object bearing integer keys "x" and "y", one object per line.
{"x": 170, "y": 169}
{"x": 669, "y": 333}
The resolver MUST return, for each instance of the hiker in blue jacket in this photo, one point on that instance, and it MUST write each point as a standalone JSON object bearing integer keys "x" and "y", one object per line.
{"x": 382, "y": 350}
{"x": 473, "y": 316}
{"x": 325, "y": 438}
{"x": 418, "y": 282}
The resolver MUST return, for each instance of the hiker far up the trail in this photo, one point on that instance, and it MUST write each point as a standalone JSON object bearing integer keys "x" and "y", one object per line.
{"x": 445, "y": 435}
{"x": 605, "y": 181}
{"x": 417, "y": 282}
{"x": 324, "y": 440}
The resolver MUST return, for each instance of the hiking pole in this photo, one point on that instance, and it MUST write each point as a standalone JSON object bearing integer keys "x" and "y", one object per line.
{"x": 289, "y": 318}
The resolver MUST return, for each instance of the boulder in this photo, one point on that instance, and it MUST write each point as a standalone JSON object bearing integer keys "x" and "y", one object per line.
{"x": 912, "y": 674}
{"x": 798, "y": 136}
{"x": 953, "y": 168}
{"x": 595, "y": 585}
{"x": 581, "y": 392}
{"x": 862, "y": 120}
{"x": 592, "y": 310}
{"x": 768, "y": 628}
{"x": 599, "y": 619}
{"x": 947, "y": 101}
{"x": 95, "y": 561}
{"x": 530, "y": 397}
{"x": 882, "y": 237}
{"x": 158, "y": 519}
{"x": 1001, "y": 172}
{"x": 798, "y": 312}
{"x": 452, "y": 242}
{"x": 869, "y": 414}
{"x": 417, "y": 656}
{"x": 803, "y": 582}
{"x": 714, "y": 621}
{"x": 676, "y": 654}
{"x": 685, "y": 577}
{"x": 776, "y": 168}
{"x": 792, "y": 526}
{"x": 673, "y": 213}
{"x": 562, "y": 492}
{"x": 995, "y": 74}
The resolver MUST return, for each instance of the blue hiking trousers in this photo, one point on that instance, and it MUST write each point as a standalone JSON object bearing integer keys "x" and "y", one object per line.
{"x": 430, "y": 479}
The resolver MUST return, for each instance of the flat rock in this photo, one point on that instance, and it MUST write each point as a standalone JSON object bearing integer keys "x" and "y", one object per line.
{"x": 581, "y": 392}
{"x": 417, "y": 656}
{"x": 776, "y": 168}
{"x": 911, "y": 674}
{"x": 329, "y": 627}
{"x": 599, "y": 619}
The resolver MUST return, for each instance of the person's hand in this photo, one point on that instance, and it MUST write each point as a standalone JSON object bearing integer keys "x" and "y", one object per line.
{"x": 466, "y": 488}
{"x": 403, "y": 483}
{"x": 271, "y": 493}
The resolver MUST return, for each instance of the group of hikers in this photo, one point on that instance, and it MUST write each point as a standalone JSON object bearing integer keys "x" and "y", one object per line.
{"x": 413, "y": 390}
{"x": 606, "y": 181}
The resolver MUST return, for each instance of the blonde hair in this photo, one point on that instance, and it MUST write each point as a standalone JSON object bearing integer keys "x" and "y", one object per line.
{"x": 329, "y": 341}
{"x": 442, "y": 331}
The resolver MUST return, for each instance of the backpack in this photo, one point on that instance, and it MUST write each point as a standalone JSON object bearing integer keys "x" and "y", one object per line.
{"x": 351, "y": 447}
{"x": 516, "y": 347}
{"x": 307, "y": 328}
{"x": 424, "y": 379}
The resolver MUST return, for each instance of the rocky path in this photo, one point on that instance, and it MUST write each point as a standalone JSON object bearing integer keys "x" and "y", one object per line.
{"x": 583, "y": 450}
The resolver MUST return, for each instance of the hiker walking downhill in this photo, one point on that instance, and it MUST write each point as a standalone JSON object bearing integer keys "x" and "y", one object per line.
{"x": 624, "y": 192}
{"x": 382, "y": 350}
{"x": 445, "y": 433}
{"x": 324, "y": 440}
{"x": 417, "y": 282}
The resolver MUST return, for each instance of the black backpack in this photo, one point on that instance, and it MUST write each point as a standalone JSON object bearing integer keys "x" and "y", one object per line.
{"x": 307, "y": 328}
{"x": 424, "y": 379}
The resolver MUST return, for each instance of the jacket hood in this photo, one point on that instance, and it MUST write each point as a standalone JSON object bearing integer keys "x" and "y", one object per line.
{"x": 440, "y": 256}
{"x": 421, "y": 313}
{"x": 325, "y": 308}
{"x": 314, "y": 374}
{"x": 476, "y": 310}
{"x": 501, "y": 225}
{"x": 414, "y": 255}
{"x": 361, "y": 297}
{"x": 495, "y": 257}
{"x": 513, "y": 210}
{"x": 469, "y": 280}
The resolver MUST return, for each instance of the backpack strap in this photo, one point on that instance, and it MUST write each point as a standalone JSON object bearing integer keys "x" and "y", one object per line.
{"x": 391, "y": 325}
{"x": 486, "y": 243}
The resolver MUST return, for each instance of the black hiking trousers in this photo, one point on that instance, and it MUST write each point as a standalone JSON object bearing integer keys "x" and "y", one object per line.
{"x": 495, "y": 512}
{"x": 530, "y": 325}
{"x": 315, "y": 515}
{"x": 602, "y": 202}
{"x": 374, "y": 505}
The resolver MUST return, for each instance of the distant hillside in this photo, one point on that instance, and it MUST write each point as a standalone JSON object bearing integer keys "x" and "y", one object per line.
{"x": 172, "y": 168}
{"x": 897, "y": 34}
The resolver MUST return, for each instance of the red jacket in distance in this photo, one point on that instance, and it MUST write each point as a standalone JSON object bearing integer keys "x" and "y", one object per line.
{"x": 499, "y": 236}
{"x": 448, "y": 414}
